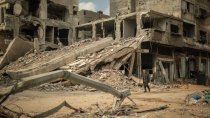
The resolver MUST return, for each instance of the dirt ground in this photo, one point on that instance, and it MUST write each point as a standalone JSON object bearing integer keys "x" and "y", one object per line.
{"x": 35, "y": 102}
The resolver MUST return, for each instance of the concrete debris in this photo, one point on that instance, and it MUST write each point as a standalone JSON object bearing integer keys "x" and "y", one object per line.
{"x": 107, "y": 55}
{"x": 113, "y": 78}
{"x": 56, "y": 60}
{"x": 198, "y": 98}
{"x": 17, "y": 48}
{"x": 37, "y": 58}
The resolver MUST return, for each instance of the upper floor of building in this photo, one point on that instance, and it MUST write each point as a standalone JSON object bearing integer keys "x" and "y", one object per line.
{"x": 191, "y": 10}
{"x": 62, "y": 10}
{"x": 86, "y": 16}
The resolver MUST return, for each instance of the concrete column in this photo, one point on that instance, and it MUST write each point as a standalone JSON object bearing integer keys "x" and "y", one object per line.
{"x": 103, "y": 29}
{"x": 16, "y": 27}
{"x": 117, "y": 30}
{"x": 138, "y": 23}
{"x": 43, "y": 9}
{"x": 173, "y": 66}
{"x": 199, "y": 62}
{"x": 70, "y": 36}
{"x": 94, "y": 31}
{"x": 41, "y": 35}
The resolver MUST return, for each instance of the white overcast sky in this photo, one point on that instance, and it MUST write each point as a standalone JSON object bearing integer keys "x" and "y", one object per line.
{"x": 95, "y": 5}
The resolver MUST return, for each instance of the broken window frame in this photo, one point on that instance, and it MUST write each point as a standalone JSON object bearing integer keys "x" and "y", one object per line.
{"x": 60, "y": 13}
{"x": 147, "y": 23}
{"x": 75, "y": 10}
{"x": 202, "y": 37}
{"x": 203, "y": 13}
{"x": 188, "y": 34}
{"x": 176, "y": 31}
{"x": 188, "y": 7}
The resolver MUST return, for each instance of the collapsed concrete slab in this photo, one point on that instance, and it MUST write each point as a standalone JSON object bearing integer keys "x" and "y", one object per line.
{"x": 16, "y": 49}
{"x": 61, "y": 60}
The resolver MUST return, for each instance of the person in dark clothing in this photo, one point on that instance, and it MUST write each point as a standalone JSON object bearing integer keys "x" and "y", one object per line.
{"x": 146, "y": 80}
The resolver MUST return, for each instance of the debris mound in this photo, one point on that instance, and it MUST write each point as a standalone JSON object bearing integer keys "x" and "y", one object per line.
{"x": 198, "y": 98}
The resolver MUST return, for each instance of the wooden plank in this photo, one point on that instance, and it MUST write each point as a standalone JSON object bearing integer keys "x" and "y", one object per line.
{"x": 164, "y": 72}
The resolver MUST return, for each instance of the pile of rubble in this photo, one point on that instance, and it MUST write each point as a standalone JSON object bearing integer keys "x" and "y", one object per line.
{"x": 113, "y": 78}
{"x": 101, "y": 64}
{"x": 35, "y": 59}
{"x": 198, "y": 98}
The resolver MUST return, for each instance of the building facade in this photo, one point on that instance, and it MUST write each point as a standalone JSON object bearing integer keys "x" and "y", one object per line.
{"x": 86, "y": 16}
{"x": 47, "y": 21}
{"x": 176, "y": 36}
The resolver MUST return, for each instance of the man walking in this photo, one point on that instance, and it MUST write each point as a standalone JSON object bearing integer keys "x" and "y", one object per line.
{"x": 146, "y": 80}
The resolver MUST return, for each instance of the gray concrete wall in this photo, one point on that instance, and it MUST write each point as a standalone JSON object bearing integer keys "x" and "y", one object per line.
{"x": 129, "y": 28}
{"x": 170, "y": 7}
{"x": 86, "y": 16}
{"x": 119, "y": 6}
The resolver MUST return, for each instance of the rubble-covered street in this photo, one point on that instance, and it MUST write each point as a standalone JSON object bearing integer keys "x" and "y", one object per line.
{"x": 98, "y": 104}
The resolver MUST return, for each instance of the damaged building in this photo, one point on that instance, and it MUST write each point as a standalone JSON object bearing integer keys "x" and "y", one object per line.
{"x": 86, "y": 16}
{"x": 42, "y": 22}
{"x": 176, "y": 37}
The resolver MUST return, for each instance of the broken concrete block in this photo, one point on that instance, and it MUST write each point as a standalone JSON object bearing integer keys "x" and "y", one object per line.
{"x": 61, "y": 60}
{"x": 16, "y": 49}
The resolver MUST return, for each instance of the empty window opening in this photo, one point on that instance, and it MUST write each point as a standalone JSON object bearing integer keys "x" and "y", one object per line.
{"x": 109, "y": 29}
{"x": 130, "y": 27}
{"x": 50, "y": 34}
{"x": 63, "y": 36}
{"x": 192, "y": 68}
{"x": 147, "y": 61}
{"x": 9, "y": 10}
{"x": 174, "y": 29}
{"x": 84, "y": 32}
{"x": 203, "y": 66}
{"x": 29, "y": 31}
{"x": 75, "y": 10}
{"x": 33, "y": 7}
{"x": 99, "y": 31}
{"x": 148, "y": 23}
{"x": 56, "y": 11}
{"x": 2, "y": 17}
{"x": 188, "y": 30}
{"x": 203, "y": 14}
{"x": 187, "y": 7}
{"x": 121, "y": 29}
{"x": 203, "y": 37}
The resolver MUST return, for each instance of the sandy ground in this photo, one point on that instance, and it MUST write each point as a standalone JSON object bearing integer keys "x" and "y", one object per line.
{"x": 35, "y": 102}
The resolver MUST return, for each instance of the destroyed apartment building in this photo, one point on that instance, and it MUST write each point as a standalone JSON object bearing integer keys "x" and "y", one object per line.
{"x": 40, "y": 24}
{"x": 176, "y": 37}
{"x": 86, "y": 16}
